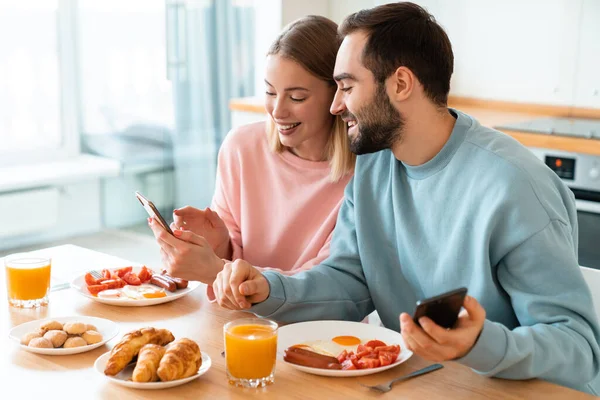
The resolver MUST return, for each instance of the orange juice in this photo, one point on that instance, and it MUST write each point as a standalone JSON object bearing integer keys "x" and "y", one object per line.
{"x": 27, "y": 281}
{"x": 250, "y": 350}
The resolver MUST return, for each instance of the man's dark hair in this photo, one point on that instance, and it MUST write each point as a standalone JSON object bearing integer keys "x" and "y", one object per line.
{"x": 405, "y": 34}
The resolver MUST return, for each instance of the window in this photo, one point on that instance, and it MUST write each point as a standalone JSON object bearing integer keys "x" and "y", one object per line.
{"x": 123, "y": 66}
{"x": 38, "y": 117}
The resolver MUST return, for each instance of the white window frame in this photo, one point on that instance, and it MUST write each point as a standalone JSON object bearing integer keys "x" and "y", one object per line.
{"x": 67, "y": 46}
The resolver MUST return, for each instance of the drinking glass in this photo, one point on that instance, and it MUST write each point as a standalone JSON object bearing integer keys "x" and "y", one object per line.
{"x": 250, "y": 351}
{"x": 27, "y": 280}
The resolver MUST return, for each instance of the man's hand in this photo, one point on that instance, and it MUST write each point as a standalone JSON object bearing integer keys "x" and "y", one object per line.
{"x": 435, "y": 343}
{"x": 186, "y": 255}
{"x": 205, "y": 223}
{"x": 239, "y": 285}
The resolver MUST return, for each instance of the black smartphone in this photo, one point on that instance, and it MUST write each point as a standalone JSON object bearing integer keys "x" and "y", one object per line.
{"x": 153, "y": 211}
{"x": 442, "y": 309}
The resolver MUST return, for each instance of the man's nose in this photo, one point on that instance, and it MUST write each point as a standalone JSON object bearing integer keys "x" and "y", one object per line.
{"x": 337, "y": 106}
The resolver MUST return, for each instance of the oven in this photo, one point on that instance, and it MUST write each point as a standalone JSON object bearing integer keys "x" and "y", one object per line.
{"x": 581, "y": 172}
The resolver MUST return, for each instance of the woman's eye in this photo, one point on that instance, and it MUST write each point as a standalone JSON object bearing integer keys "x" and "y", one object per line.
{"x": 270, "y": 94}
{"x": 298, "y": 100}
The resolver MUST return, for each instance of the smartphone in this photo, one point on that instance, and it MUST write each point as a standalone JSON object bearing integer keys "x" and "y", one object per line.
{"x": 442, "y": 309}
{"x": 153, "y": 211}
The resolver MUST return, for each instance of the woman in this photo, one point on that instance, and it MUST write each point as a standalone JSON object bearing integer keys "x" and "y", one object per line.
{"x": 279, "y": 184}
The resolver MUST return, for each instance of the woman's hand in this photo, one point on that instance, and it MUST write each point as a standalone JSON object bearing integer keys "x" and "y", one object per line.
{"x": 205, "y": 223}
{"x": 187, "y": 255}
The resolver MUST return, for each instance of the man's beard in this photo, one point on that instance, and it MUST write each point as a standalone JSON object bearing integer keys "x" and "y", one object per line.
{"x": 380, "y": 126}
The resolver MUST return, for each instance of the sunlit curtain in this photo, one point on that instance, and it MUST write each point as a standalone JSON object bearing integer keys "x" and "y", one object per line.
{"x": 209, "y": 61}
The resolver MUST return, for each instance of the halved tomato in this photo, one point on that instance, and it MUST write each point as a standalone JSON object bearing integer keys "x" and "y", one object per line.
{"x": 365, "y": 363}
{"x": 132, "y": 279}
{"x": 348, "y": 365}
{"x": 386, "y": 358}
{"x": 342, "y": 356}
{"x": 95, "y": 289}
{"x": 392, "y": 349}
{"x": 90, "y": 280}
{"x": 122, "y": 271}
{"x": 375, "y": 343}
{"x": 145, "y": 275}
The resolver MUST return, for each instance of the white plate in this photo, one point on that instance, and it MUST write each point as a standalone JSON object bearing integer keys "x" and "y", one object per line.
{"x": 123, "y": 377}
{"x": 81, "y": 287}
{"x": 106, "y": 328}
{"x": 292, "y": 334}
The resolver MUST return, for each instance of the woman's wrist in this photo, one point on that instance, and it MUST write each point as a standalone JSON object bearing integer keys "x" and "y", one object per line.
{"x": 225, "y": 250}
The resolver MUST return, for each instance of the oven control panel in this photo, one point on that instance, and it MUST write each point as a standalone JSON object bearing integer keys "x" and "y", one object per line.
{"x": 563, "y": 166}
{"x": 581, "y": 171}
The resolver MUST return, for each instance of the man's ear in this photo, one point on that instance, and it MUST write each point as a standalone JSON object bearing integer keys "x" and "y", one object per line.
{"x": 401, "y": 84}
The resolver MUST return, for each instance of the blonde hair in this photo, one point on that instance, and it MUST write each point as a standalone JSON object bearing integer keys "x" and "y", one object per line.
{"x": 313, "y": 42}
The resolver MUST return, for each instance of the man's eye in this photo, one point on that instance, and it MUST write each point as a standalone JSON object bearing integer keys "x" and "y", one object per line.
{"x": 346, "y": 89}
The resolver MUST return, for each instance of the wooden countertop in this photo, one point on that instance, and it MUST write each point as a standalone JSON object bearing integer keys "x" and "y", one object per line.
{"x": 37, "y": 376}
{"x": 492, "y": 113}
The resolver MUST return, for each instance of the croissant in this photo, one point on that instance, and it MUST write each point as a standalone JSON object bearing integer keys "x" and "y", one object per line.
{"x": 182, "y": 359}
{"x": 147, "y": 363}
{"x": 130, "y": 346}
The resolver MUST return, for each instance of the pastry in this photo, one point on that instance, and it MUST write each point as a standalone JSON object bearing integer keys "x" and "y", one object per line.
{"x": 57, "y": 337}
{"x": 147, "y": 363}
{"x": 182, "y": 359}
{"x": 130, "y": 346}
{"x": 75, "y": 328}
{"x": 91, "y": 327}
{"x": 41, "y": 342}
{"x": 51, "y": 326}
{"x": 74, "y": 342}
{"x": 27, "y": 338}
{"x": 92, "y": 337}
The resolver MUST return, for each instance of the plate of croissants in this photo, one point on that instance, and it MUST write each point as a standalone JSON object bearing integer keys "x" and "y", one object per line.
{"x": 151, "y": 358}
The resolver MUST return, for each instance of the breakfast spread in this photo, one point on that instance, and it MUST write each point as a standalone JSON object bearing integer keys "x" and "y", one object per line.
{"x": 179, "y": 359}
{"x": 53, "y": 334}
{"x": 126, "y": 284}
{"x": 343, "y": 353}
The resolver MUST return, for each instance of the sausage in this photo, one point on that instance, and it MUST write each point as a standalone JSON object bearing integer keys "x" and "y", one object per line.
{"x": 181, "y": 283}
{"x": 163, "y": 282}
{"x": 307, "y": 358}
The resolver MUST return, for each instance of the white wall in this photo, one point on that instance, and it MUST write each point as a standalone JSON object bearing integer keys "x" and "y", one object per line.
{"x": 270, "y": 18}
{"x": 535, "y": 51}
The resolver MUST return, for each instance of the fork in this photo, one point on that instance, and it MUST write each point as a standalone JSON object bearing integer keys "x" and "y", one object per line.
{"x": 96, "y": 274}
{"x": 386, "y": 387}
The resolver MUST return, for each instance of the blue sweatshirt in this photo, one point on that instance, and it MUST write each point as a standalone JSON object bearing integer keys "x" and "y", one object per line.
{"x": 484, "y": 213}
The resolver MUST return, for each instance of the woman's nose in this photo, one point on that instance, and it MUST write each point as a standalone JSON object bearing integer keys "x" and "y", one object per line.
{"x": 280, "y": 110}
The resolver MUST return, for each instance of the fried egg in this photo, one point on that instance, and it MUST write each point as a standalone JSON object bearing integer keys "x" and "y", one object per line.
{"x": 142, "y": 292}
{"x": 133, "y": 292}
{"x": 335, "y": 346}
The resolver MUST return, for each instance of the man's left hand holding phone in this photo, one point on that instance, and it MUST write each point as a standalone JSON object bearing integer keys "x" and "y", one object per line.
{"x": 184, "y": 254}
{"x": 436, "y": 343}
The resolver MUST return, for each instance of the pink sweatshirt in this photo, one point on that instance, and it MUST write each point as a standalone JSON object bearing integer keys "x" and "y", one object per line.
{"x": 280, "y": 209}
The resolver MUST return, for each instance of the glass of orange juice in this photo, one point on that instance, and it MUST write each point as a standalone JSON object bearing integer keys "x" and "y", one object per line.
{"x": 250, "y": 351}
{"x": 27, "y": 280}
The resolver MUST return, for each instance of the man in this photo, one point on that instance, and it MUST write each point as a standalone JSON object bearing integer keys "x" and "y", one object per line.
{"x": 439, "y": 202}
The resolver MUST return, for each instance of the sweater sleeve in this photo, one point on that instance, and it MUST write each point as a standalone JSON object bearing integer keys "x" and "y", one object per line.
{"x": 334, "y": 289}
{"x": 558, "y": 336}
{"x": 226, "y": 199}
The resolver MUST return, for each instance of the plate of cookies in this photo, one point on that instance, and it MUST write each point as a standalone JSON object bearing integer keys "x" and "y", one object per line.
{"x": 64, "y": 335}
{"x": 151, "y": 358}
